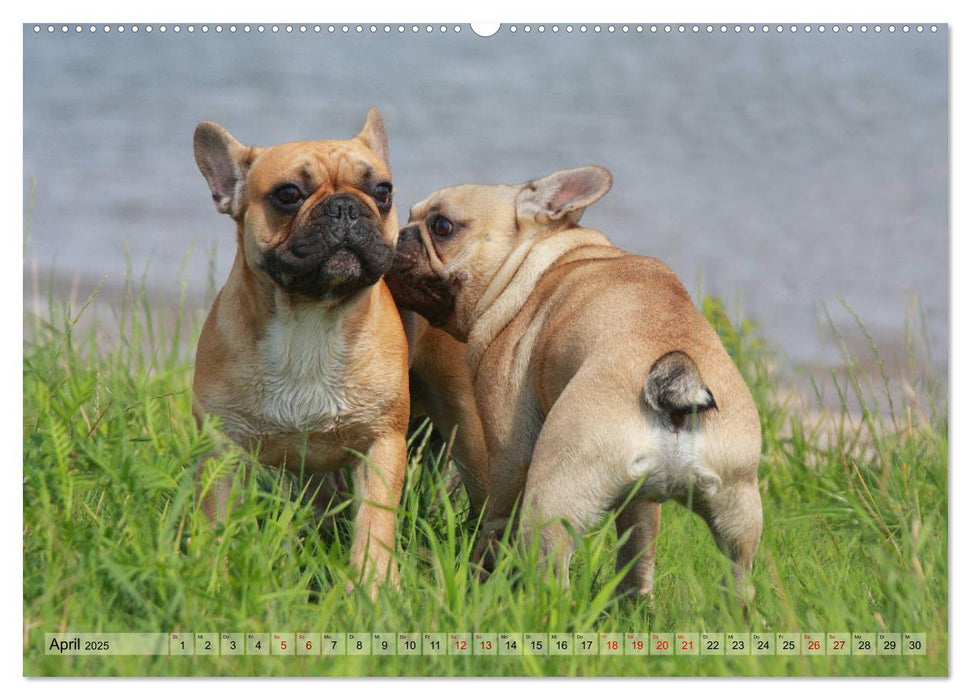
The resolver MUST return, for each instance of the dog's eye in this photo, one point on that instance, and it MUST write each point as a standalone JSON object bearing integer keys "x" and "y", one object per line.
{"x": 287, "y": 196}
{"x": 382, "y": 195}
{"x": 441, "y": 226}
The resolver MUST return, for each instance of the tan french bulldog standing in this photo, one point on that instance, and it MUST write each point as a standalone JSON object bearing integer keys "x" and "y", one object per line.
{"x": 303, "y": 354}
{"x": 593, "y": 371}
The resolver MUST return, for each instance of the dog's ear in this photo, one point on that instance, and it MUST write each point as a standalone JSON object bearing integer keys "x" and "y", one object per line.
{"x": 564, "y": 195}
{"x": 374, "y": 136}
{"x": 224, "y": 162}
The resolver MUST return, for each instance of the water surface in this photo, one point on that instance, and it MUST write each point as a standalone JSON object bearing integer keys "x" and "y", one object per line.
{"x": 781, "y": 172}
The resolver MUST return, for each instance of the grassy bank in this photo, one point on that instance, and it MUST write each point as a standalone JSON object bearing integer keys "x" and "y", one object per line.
{"x": 855, "y": 532}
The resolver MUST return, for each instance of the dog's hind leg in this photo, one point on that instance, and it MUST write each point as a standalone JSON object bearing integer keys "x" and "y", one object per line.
{"x": 576, "y": 473}
{"x": 734, "y": 516}
{"x": 642, "y": 519}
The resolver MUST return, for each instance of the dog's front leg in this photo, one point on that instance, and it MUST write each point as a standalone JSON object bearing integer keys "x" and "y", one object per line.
{"x": 378, "y": 480}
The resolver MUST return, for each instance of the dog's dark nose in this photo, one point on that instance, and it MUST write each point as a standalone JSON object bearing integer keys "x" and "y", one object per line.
{"x": 408, "y": 233}
{"x": 342, "y": 206}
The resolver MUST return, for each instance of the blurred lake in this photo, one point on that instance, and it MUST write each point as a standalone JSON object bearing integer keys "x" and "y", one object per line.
{"x": 780, "y": 171}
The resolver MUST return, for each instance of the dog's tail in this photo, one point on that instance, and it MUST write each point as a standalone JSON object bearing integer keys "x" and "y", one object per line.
{"x": 674, "y": 386}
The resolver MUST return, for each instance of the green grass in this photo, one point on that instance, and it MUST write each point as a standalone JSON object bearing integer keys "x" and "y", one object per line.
{"x": 855, "y": 532}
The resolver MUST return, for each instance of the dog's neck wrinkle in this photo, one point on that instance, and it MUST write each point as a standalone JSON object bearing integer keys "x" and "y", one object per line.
{"x": 522, "y": 271}
{"x": 507, "y": 271}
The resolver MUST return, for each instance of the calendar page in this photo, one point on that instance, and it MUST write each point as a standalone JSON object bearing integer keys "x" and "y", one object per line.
{"x": 451, "y": 350}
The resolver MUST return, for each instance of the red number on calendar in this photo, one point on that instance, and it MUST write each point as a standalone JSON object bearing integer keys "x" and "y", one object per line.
{"x": 813, "y": 645}
{"x": 460, "y": 644}
{"x": 486, "y": 644}
{"x": 662, "y": 645}
{"x": 687, "y": 644}
{"x": 309, "y": 645}
{"x": 637, "y": 644}
{"x": 613, "y": 645}
{"x": 838, "y": 644}
{"x": 283, "y": 645}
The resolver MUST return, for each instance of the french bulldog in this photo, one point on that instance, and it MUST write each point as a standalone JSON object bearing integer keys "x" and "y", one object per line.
{"x": 599, "y": 385}
{"x": 303, "y": 355}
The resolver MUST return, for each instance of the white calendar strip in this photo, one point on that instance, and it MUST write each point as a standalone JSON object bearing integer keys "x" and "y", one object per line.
{"x": 489, "y": 644}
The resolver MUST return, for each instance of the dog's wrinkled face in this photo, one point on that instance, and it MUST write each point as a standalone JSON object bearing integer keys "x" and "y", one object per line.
{"x": 316, "y": 217}
{"x": 451, "y": 241}
{"x": 319, "y": 220}
{"x": 459, "y": 237}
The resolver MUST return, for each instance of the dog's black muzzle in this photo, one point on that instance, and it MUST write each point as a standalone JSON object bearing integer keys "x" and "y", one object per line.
{"x": 413, "y": 283}
{"x": 339, "y": 248}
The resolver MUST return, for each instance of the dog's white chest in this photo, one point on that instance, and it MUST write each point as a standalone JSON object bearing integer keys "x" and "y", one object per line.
{"x": 304, "y": 356}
